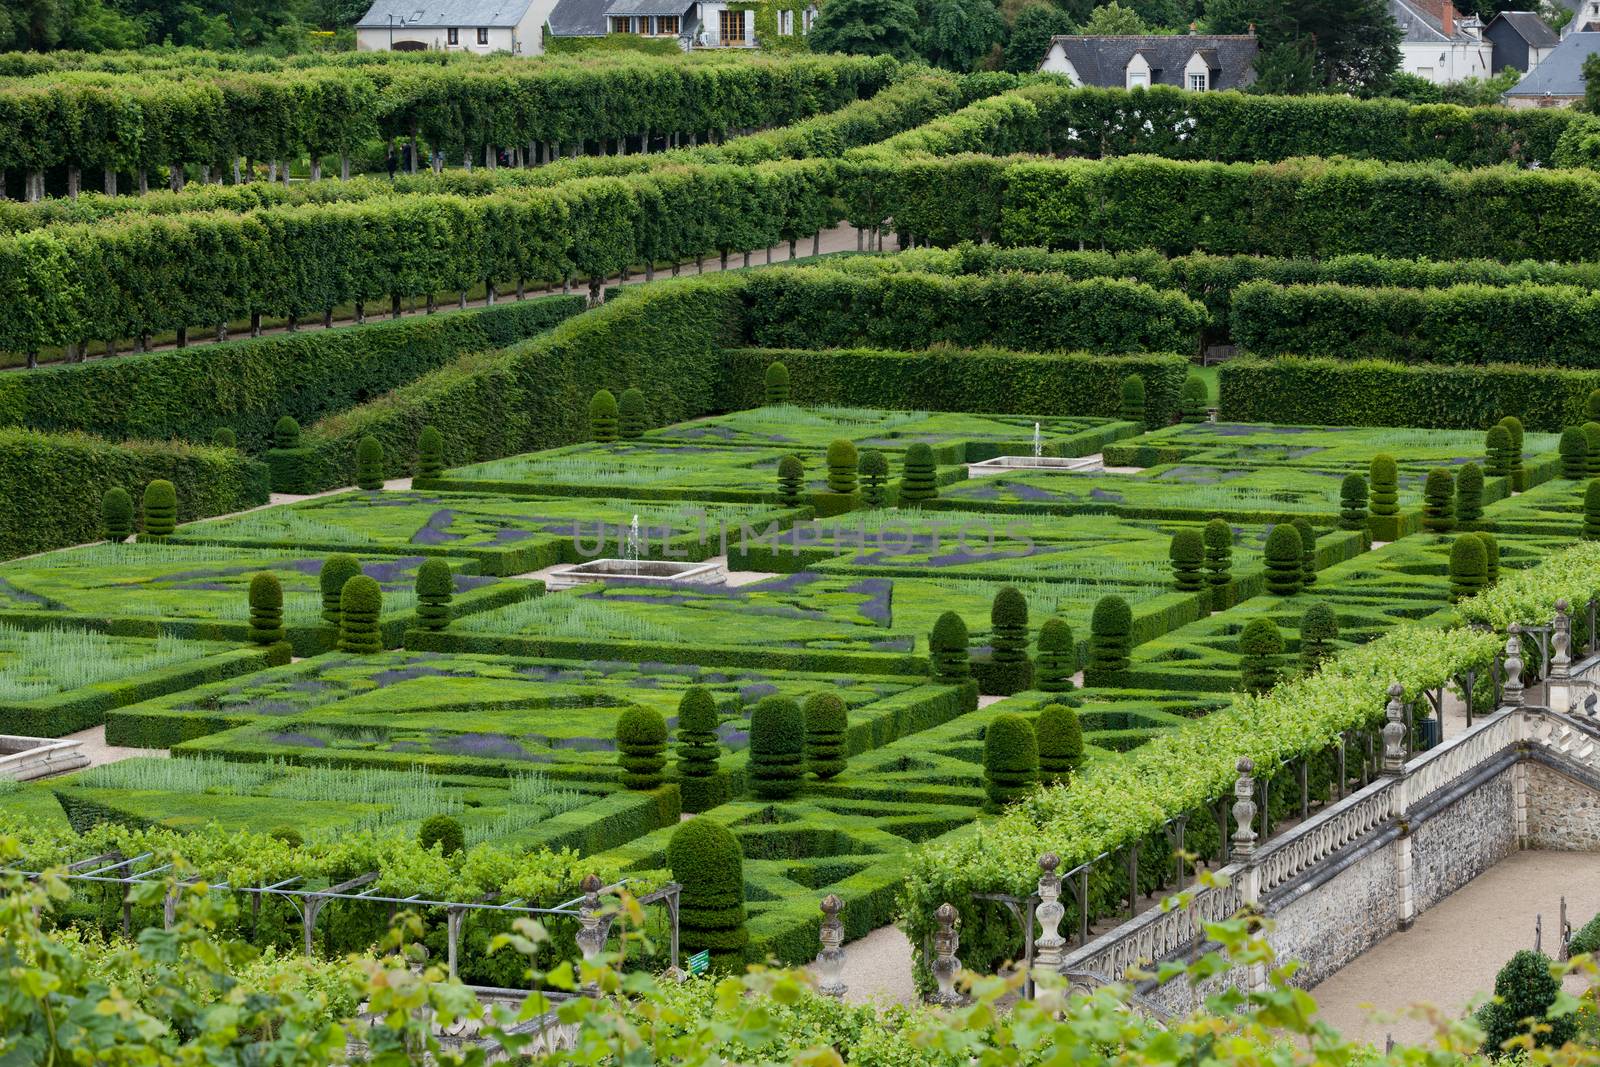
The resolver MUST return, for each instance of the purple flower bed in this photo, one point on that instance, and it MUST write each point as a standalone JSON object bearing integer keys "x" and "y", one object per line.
{"x": 436, "y": 531}
{"x": 297, "y": 740}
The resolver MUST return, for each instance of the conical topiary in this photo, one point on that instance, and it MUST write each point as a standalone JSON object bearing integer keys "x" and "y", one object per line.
{"x": 1196, "y": 399}
{"x": 360, "y": 604}
{"x": 369, "y": 463}
{"x": 286, "y": 433}
{"x": 336, "y": 570}
{"x": 1498, "y": 456}
{"x": 1469, "y": 567}
{"x": 1353, "y": 503}
{"x": 1574, "y": 449}
{"x": 921, "y": 478}
{"x": 948, "y": 655}
{"x": 826, "y": 724}
{"x": 1057, "y": 660}
{"x": 1010, "y": 760}
{"x": 266, "y": 609}
{"x": 1260, "y": 645}
{"x": 842, "y": 460}
{"x": 603, "y": 417}
{"x": 1385, "y": 477}
{"x": 1060, "y": 738}
{"x": 1519, "y": 473}
{"x": 1439, "y": 502}
{"x": 791, "y": 481}
{"x": 1308, "y": 551}
{"x": 775, "y": 387}
{"x": 777, "y": 748}
{"x": 1319, "y": 628}
{"x": 706, "y": 860}
{"x": 641, "y": 747}
{"x": 1110, "y": 641}
{"x": 435, "y": 588}
{"x": 698, "y": 720}
{"x": 1133, "y": 399}
{"x": 1284, "y": 554}
{"x": 430, "y": 453}
{"x": 160, "y": 509}
{"x": 1187, "y": 553}
{"x": 116, "y": 515}
{"x": 632, "y": 421}
{"x": 1469, "y": 493}
{"x": 1010, "y": 669}
{"x": 873, "y": 468}
{"x": 1218, "y": 537}
{"x": 1491, "y": 557}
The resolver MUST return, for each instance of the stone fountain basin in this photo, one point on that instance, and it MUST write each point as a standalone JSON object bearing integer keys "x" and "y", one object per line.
{"x": 635, "y": 572}
{"x": 1056, "y": 464}
{"x": 26, "y": 758}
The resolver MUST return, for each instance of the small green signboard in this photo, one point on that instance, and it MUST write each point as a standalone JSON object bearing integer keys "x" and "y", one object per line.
{"x": 700, "y": 962}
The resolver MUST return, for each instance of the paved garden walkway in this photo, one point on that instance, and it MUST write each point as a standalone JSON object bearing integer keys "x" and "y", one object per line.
{"x": 94, "y": 746}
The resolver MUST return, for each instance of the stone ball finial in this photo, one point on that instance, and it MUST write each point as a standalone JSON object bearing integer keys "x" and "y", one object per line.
{"x": 1563, "y": 606}
{"x": 1514, "y": 628}
{"x": 1246, "y": 765}
{"x": 832, "y": 905}
{"x": 946, "y": 913}
{"x": 1396, "y": 691}
{"x": 591, "y": 883}
{"x": 1049, "y": 862}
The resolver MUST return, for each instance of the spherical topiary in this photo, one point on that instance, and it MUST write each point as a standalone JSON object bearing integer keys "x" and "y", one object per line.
{"x": 948, "y": 655}
{"x": 826, "y": 723}
{"x": 1469, "y": 493}
{"x": 1010, "y": 760}
{"x": 1384, "y": 474}
{"x": 842, "y": 460}
{"x": 1439, "y": 502}
{"x": 603, "y": 416}
{"x": 777, "y": 747}
{"x": 1353, "y": 503}
{"x": 1057, "y": 661}
{"x": 776, "y": 384}
{"x": 435, "y": 587}
{"x": 1060, "y": 739}
{"x": 337, "y": 569}
{"x": 430, "y": 453}
{"x": 360, "y": 604}
{"x": 791, "y": 481}
{"x": 287, "y": 836}
{"x": 1218, "y": 538}
{"x": 697, "y": 733}
{"x": 443, "y": 831}
{"x": 1591, "y": 437}
{"x": 1308, "y": 551}
{"x": 921, "y": 478}
{"x": 1260, "y": 645}
{"x": 641, "y": 747}
{"x": 1497, "y": 452}
{"x": 1110, "y": 640}
{"x": 160, "y": 509}
{"x": 1574, "y": 449}
{"x": 1469, "y": 567}
{"x": 1525, "y": 989}
{"x": 116, "y": 515}
{"x": 1195, "y": 399}
{"x": 1010, "y": 669}
{"x": 1187, "y": 553}
{"x": 286, "y": 433}
{"x": 1284, "y": 554}
{"x": 266, "y": 609}
{"x": 706, "y": 860}
{"x": 222, "y": 437}
{"x": 874, "y": 470}
{"x": 1591, "y": 511}
{"x": 632, "y": 421}
{"x": 1491, "y": 557}
{"x": 1133, "y": 399}
{"x": 1319, "y": 628}
{"x": 369, "y": 463}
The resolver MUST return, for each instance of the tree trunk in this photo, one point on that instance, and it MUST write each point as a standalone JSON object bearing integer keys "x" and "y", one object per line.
{"x": 272, "y": 172}
{"x": 205, "y": 174}
{"x": 71, "y": 353}
{"x": 175, "y": 177}
{"x": 861, "y": 238}
{"x": 35, "y": 186}
{"x": 394, "y": 305}
{"x": 816, "y": 243}
{"x": 316, "y": 168}
{"x": 566, "y": 286}
{"x": 144, "y": 342}
{"x": 792, "y": 245}
{"x": 111, "y": 347}
{"x": 222, "y": 332}
{"x": 746, "y": 262}
{"x": 461, "y": 301}
{"x": 110, "y": 183}
{"x": 411, "y": 167}
{"x": 286, "y": 174}
{"x": 361, "y": 313}
{"x": 466, "y": 162}
{"x": 724, "y": 259}
{"x": 33, "y": 358}
{"x": 74, "y": 180}
{"x": 344, "y": 166}
{"x": 431, "y": 307}
{"x": 522, "y": 289}
{"x": 144, "y": 181}
{"x": 491, "y": 159}
{"x": 293, "y": 324}
{"x": 649, "y": 271}
{"x": 594, "y": 292}
{"x": 2, "y": 183}
{"x": 327, "y": 318}
{"x": 255, "y": 324}
{"x": 488, "y": 291}
{"x": 183, "y": 337}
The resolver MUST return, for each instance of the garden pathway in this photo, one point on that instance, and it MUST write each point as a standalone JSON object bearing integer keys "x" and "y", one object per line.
{"x": 94, "y": 746}
{"x": 1450, "y": 957}
{"x": 877, "y": 968}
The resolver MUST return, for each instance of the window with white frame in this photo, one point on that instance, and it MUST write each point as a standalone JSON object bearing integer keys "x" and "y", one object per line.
{"x": 452, "y": 35}
{"x": 786, "y": 22}
{"x": 1197, "y": 83}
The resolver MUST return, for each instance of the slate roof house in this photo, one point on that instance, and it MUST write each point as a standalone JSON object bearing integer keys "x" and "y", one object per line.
{"x": 1520, "y": 39}
{"x": 1198, "y": 62}
{"x": 481, "y": 26}
{"x": 1558, "y": 79}
{"x": 693, "y": 23}
{"x": 1438, "y": 44}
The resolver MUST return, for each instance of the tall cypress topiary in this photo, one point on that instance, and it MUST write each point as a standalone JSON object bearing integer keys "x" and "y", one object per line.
{"x": 1308, "y": 551}
{"x": 435, "y": 588}
{"x": 1319, "y": 628}
{"x": 842, "y": 460}
{"x": 1011, "y": 671}
{"x": 430, "y": 453}
{"x": 1353, "y": 503}
{"x": 1260, "y": 645}
{"x": 1133, "y": 399}
{"x": 160, "y": 510}
{"x": 1010, "y": 760}
{"x": 1057, "y": 661}
{"x": 1525, "y": 989}
{"x": 776, "y": 384}
{"x": 1438, "y": 502}
{"x": 116, "y": 515}
{"x": 1574, "y": 449}
{"x": 369, "y": 463}
{"x": 1591, "y": 437}
{"x": 1060, "y": 738}
{"x": 360, "y": 604}
{"x": 706, "y": 860}
{"x": 223, "y": 437}
{"x": 1110, "y": 641}
{"x": 337, "y": 569}
{"x": 641, "y": 747}
{"x": 826, "y": 724}
{"x": 921, "y": 478}
{"x": 1195, "y": 399}
{"x": 1491, "y": 557}
{"x": 603, "y": 416}
{"x": 286, "y": 433}
{"x": 777, "y": 747}
{"x": 1519, "y": 473}
{"x": 1469, "y": 567}
{"x": 632, "y": 421}
{"x": 791, "y": 481}
{"x": 948, "y": 656}
{"x": 1497, "y": 452}
{"x": 1218, "y": 539}
{"x": 1469, "y": 493}
{"x": 266, "y": 609}
{"x": 1384, "y": 474}
{"x": 697, "y": 733}
{"x": 1284, "y": 560}
{"x": 874, "y": 470}
{"x": 1187, "y": 553}
{"x": 1591, "y": 511}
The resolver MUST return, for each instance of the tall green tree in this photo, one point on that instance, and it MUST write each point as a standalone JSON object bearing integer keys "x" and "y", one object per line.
{"x": 867, "y": 27}
{"x": 1113, "y": 20}
{"x": 958, "y": 34}
{"x": 1030, "y": 36}
{"x": 1356, "y": 42}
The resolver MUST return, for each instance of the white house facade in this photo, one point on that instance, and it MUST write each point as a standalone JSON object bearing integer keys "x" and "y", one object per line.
{"x": 692, "y": 23}
{"x": 478, "y": 26}
{"x": 1438, "y": 44}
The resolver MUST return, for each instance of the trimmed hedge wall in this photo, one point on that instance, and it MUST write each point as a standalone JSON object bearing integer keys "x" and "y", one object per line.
{"x": 1544, "y": 325}
{"x": 960, "y": 380}
{"x": 51, "y": 484}
{"x": 247, "y": 385}
{"x": 1335, "y": 392}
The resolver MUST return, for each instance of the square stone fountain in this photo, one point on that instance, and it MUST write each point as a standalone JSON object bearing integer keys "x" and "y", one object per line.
{"x": 26, "y": 758}
{"x": 1036, "y": 462}
{"x": 632, "y": 570}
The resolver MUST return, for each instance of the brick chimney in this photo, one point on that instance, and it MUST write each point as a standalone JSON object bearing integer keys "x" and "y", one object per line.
{"x": 1447, "y": 19}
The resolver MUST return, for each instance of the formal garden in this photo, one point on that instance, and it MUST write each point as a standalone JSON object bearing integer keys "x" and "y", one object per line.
{"x": 440, "y": 543}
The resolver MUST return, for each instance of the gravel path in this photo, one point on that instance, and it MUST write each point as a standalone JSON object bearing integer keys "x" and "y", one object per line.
{"x": 94, "y": 746}
{"x": 877, "y": 968}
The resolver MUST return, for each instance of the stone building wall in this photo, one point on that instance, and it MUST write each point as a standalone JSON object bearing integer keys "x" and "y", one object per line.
{"x": 1563, "y": 813}
{"x": 1464, "y": 838}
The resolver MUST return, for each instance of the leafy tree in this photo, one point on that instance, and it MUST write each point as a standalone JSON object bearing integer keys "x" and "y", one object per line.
{"x": 958, "y": 34}
{"x": 430, "y": 453}
{"x": 706, "y": 859}
{"x": 1438, "y": 501}
{"x": 921, "y": 478}
{"x": 842, "y": 461}
{"x": 775, "y": 383}
{"x": 1012, "y": 672}
{"x": 867, "y": 27}
{"x": 1308, "y": 551}
{"x": 1591, "y": 84}
{"x": 1591, "y": 511}
{"x": 1574, "y": 449}
{"x": 360, "y": 605}
{"x": 1385, "y": 476}
{"x": 1218, "y": 538}
{"x": 1030, "y": 37}
{"x": 223, "y": 437}
{"x": 698, "y": 750}
{"x": 1195, "y": 396}
{"x": 777, "y": 748}
{"x": 1524, "y": 992}
{"x": 1353, "y": 503}
{"x": 604, "y": 416}
{"x": 1110, "y": 640}
{"x": 160, "y": 510}
{"x": 1469, "y": 493}
{"x": 443, "y": 831}
{"x": 337, "y": 569}
{"x": 286, "y": 433}
{"x": 1113, "y": 19}
{"x": 1133, "y": 399}
{"x": 1356, "y": 43}
{"x": 633, "y": 418}
{"x": 1591, "y": 437}
{"x": 1469, "y": 567}
{"x": 1491, "y": 555}
{"x": 1287, "y": 69}
{"x": 369, "y": 463}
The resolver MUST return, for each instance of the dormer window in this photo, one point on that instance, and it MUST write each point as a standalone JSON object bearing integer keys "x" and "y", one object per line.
{"x": 1138, "y": 73}
{"x": 1197, "y": 73}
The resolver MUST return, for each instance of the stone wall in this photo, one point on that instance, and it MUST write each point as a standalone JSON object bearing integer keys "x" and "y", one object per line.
{"x": 1563, "y": 813}
{"x": 1328, "y": 922}
{"x": 1462, "y": 838}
